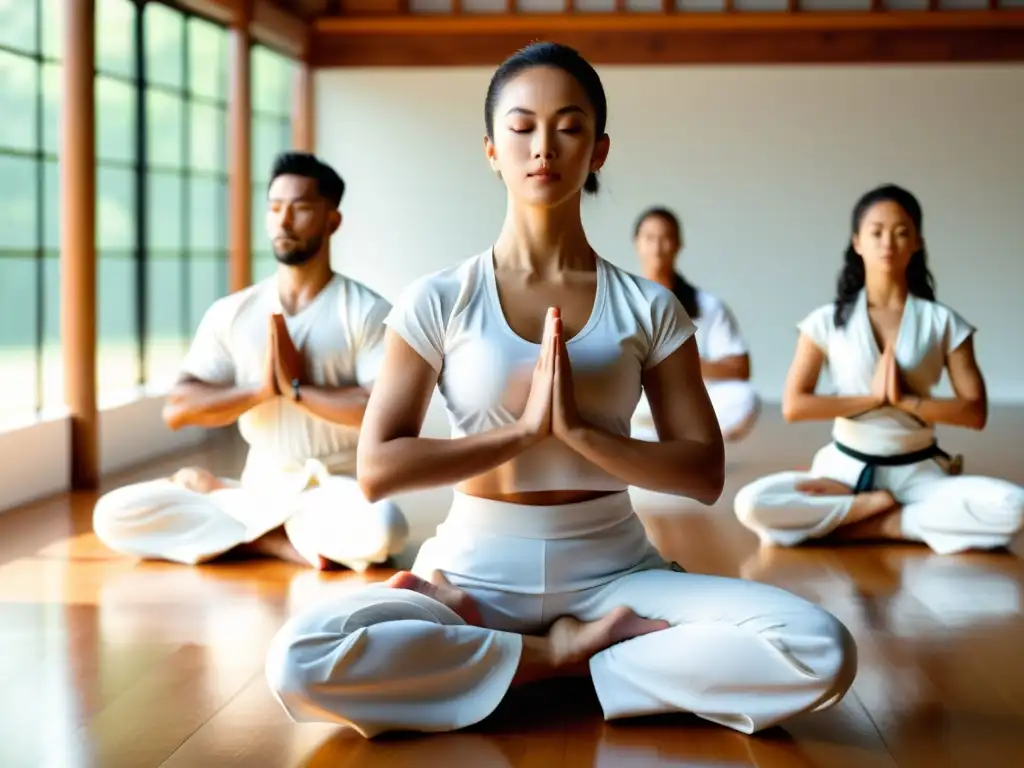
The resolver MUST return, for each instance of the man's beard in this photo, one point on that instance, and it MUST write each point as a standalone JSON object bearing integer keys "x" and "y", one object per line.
{"x": 296, "y": 257}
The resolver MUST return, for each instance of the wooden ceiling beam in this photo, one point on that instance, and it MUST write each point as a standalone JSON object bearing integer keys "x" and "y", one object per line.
{"x": 654, "y": 38}
{"x": 268, "y": 22}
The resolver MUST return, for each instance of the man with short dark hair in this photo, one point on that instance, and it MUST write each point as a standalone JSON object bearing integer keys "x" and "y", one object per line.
{"x": 292, "y": 360}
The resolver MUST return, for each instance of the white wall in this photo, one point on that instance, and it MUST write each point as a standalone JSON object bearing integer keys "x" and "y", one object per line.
{"x": 37, "y": 457}
{"x": 763, "y": 164}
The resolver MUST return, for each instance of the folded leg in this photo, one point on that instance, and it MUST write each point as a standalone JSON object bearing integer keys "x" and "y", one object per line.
{"x": 162, "y": 519}
{"x": 741, "y": 654}
{"x": 956, "y": 514}
{"x": 789, "y": 508}
{"x": 776, "y": 510}
{"x": 736, "y": 405}
{"x": 382, "y": 659}
{"x": 335, "y": 521}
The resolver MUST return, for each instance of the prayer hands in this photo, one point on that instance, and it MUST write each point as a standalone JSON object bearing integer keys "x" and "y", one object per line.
{"x": 536, "y": 418}
{"x": 886, "y": 387}
{"x": 893, "y": 386}
{"x": 288, "y": 363}
{"x": 268, "y": 387}
{"x": 880, "y": 382}
{"x": 551, "y": 406}
{"x": 564, "y": 415}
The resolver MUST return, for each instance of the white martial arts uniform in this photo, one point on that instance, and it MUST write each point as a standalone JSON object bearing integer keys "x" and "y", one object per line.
{"x": 742, "y": 654}
{"x": 735, "y": 402}
{"x": 949, "y": 513}
{"x": 299, "y": 469}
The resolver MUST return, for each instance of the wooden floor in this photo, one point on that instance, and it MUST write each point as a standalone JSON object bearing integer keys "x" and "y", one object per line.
{"x": 108, "y": 662}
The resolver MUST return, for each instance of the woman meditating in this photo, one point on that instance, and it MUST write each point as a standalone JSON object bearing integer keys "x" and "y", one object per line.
{"x": 540, "y": 349}
{"x": 724, "y": 355}
{"x": 886, "y": 341}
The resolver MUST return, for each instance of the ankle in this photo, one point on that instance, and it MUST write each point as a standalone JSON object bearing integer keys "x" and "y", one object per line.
{"x": 539, "y": 661}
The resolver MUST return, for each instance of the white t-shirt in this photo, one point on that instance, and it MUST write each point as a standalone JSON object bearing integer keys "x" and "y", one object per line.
{"x": 718, "y": 333}
{"x": 453, "y": 319}
{"x": 340, "y": 334}
{"x": 928, "y": 333}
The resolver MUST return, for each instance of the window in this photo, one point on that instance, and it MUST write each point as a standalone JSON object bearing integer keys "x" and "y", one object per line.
{"x": 117, "y": 195}
{"x": 186, "y": 183}
{"x": 31, "y": 366}
{"x": 161, "y": 186}
{"x": 272, "y": 84}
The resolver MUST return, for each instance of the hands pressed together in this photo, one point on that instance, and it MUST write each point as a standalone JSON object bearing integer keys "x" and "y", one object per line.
{"x": 886, "y": 387}
{"x": 284, "y": 363}
{"x": 551, "y": 406}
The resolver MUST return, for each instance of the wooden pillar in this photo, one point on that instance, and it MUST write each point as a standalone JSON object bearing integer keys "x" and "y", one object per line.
{"x": 303, "y": 109}
{"x": 240, "y": 155}
{"x": 78, "y": 239}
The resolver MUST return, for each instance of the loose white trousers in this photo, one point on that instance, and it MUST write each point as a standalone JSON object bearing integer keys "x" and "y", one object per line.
{"x": 741, "y": 654}
{"x": 327, "y": 517}
{"x": 949, "y": 513}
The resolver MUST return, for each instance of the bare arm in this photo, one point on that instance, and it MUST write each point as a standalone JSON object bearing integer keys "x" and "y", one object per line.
{"x": 393, "y": 458}
{"x": 731, "y": 368}
{"x": 689, "y": 460}
{"x": 195, "y": 403}
{"x": 338, "y": 405}
{"x": 799, "y": 401}
{"x": 969, "y": 407}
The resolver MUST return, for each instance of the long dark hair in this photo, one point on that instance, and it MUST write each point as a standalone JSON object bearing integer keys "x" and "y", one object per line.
{"x": 851, "y": 278}
{"x": 684, "y": 290}
{"x": 561, "y": 57}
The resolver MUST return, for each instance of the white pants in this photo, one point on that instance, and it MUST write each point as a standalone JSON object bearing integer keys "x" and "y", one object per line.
{"x": 948, "y": 513}
{"x": 741, "y": 654}
{"x": 736, "y": 405}
{"x": 160, "y": 519}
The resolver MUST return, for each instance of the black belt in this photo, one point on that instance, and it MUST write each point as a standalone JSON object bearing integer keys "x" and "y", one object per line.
{"x": 866, "y": 479}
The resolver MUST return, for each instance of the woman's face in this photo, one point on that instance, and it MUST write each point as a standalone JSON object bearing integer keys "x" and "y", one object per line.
{"x": 886, "y": 239}
{"x": 657, "y": 245}
{"x": 544, "y": 143}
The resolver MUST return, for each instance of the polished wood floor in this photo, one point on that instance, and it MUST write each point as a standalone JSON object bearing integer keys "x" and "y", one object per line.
{"x": 113, "y": 663}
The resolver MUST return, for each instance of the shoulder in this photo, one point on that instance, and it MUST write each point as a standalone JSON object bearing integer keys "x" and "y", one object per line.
{"x": 423, "y": 312}
{"x": 355, "y": 289}
{"x": 359, "y": 300}
{"x": 444, "y": 289}
{"x": 819, "y": 324}
{"x": 712, "y": 306}
{"x": 653, "y": 306}
{"x": 941, "y": 314}
{"x": 944, "y": 322}
{"x": 636, "y": 290}
{"x": 821, "y": 315}
{"x": 224, "y": 311}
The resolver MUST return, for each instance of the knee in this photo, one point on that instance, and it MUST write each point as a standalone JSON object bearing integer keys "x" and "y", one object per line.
{"x": 116, "y": 514}
{"x": 757, "y": 504}
{"x": 745, "y": 505}
{"x": 393, "y": 525}
{"x": 749, "y": 506}
{"x": 823, "y": 649}
{"x": 295, "y": 667}
{"x": 308, "y": 655}
{"x": 838, "y": 672}
{"x": 1015, "y": 510}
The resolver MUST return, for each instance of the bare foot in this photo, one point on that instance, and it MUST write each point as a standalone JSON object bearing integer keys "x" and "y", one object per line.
{"x": 573, "y": 642}
{"x": 441, "y": 590}
{"x": 886, "y": 526}
{"x": 277, "y": 544}
{"x": 823, "y": 486}
{"x": 196, "y": 479}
